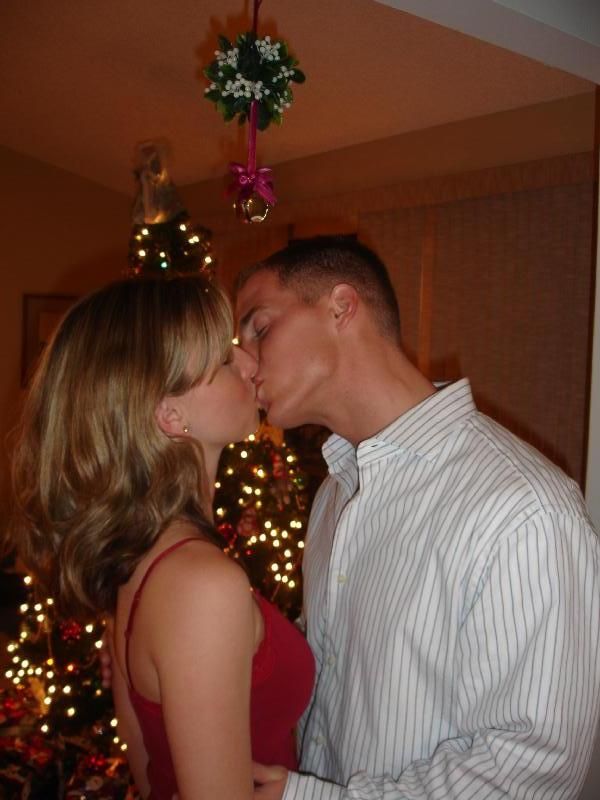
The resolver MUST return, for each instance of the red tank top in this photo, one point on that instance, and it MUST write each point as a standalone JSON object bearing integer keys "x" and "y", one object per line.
{"x": 283, "y": 672}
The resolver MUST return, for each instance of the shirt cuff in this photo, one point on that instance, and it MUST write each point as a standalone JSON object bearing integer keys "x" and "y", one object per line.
{"x": 303, "y": 787}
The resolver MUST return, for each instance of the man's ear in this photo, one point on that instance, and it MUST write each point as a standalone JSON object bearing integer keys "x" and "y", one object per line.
{"x": 343, "y": 303}
{"x": 168, "y": 417}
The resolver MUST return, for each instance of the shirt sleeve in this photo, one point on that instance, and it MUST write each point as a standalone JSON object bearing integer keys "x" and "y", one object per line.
{"x": 527, "y": 698}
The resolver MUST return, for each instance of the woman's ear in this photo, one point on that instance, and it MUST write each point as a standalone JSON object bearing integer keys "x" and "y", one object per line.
{"x": 168, "y": 416}
{"x": 343, "y": 303}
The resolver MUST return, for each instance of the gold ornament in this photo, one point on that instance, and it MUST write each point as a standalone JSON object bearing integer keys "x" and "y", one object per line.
{"x": 252, "y": 209}
{"x": 267, "y": 431}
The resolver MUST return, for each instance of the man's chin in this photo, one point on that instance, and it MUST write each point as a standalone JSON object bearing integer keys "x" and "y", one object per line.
{"x": 280, "y": 420}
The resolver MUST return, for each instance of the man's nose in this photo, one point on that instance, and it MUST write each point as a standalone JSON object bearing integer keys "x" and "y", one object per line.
{"x": 246, "y": 363}
{"x": 248, "y": 345}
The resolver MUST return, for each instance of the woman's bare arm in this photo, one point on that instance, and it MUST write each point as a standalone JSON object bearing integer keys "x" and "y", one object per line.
{"x": 128, "y": 727}
{"x": 202, "y": 648}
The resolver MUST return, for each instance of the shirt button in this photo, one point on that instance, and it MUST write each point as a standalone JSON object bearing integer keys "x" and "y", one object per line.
{"x": 320, "y": 740}
{"x": 331, "y": 660}
{"x": 341, "y": 579}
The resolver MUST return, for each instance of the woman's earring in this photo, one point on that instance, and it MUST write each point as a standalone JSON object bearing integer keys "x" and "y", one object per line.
{"x": 186, "y": 429}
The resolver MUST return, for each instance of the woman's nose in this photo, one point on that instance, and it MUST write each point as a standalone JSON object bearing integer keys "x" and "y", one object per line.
{"x": 246, "y": 363}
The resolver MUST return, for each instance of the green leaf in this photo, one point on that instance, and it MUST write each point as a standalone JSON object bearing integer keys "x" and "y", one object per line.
{"x": 214, "y": 96}
{"x": 240, "y": 104}
{"x": 224, "y": 43}
{"x": 264, "y": 117}
{"x": 298, "y": 76}
{"x": 228, "y": 72}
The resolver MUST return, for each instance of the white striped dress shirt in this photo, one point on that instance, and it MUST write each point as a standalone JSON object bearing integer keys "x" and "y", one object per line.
{"x": 452, "y": 603}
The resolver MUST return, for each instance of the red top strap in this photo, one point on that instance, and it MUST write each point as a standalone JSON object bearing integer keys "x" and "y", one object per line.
{"x": 138, "y": 594}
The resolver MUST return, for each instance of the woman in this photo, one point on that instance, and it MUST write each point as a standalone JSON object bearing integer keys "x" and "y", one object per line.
{"x": 113, "y": 474}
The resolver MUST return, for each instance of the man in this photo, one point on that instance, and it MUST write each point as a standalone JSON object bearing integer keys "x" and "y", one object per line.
{"x": 451, "y": 572}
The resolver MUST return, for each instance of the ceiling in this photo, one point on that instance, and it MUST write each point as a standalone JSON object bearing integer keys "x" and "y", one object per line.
{"x": 83, "y": 82}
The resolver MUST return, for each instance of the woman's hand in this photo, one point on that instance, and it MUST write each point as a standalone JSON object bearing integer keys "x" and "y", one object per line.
{"x": 269, "y": 781}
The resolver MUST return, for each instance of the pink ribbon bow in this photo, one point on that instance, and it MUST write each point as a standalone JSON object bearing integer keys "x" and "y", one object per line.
{"x": 246, "y": 181}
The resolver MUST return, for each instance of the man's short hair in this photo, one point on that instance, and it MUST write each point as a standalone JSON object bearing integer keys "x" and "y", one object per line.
{"x": 312, "y": 267}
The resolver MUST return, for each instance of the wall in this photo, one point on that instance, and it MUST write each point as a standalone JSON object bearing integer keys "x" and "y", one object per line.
{"x": 591, "y": 789}
{"x": 593, "y": 466}
{"x": 60, "y": 234}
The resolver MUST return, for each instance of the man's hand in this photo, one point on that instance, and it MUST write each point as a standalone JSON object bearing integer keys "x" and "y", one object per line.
{"x": 269, "y": 782}
{"x": 105, "y": 658}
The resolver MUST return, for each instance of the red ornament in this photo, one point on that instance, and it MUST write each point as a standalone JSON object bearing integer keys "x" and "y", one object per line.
{"x": 248, "y": 523}
{"x": 228, "y": 533}
{"x": 279, "y": 469}
{"x": 13, "y": 709}
{"x": 37, "y": 752}
{"x": 95, "y": 761}
{"x": 70, "y": 631}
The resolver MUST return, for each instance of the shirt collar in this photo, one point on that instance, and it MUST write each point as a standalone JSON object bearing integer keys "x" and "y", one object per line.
{"x": 420, "y": 430}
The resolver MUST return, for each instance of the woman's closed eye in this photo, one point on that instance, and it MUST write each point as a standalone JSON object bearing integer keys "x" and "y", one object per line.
{"x": 259, "y": 331}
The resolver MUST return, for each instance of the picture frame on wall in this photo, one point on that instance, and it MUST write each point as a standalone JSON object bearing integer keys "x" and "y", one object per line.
{"x": 41, "y": 315}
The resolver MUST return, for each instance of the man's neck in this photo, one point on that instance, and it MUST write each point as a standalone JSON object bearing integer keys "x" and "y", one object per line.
{"x": 375, "y": 394}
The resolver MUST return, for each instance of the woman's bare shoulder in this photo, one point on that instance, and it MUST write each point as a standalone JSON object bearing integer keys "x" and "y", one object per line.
{"x": 199, "y": 572}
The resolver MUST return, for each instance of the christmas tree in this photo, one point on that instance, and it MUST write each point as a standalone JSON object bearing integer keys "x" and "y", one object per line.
{"x": 261, "y": 512}
{"x": 163, "y": 240}
{"x": 57, "y": 726}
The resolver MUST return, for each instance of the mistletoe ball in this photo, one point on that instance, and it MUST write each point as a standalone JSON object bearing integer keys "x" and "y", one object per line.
{"x": 252, "y": 70}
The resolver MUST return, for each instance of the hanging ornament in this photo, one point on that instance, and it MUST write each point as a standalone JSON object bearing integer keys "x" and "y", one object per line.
{"x": 70, "y": 631}
{"x": 254, "y": 187}
{"x": 228, "y": 532}
{"x": 248, "y": 523}
{"x": 251, "y": 80}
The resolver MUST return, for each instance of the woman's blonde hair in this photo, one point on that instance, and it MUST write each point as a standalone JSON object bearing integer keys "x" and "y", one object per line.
{"x": 95, "y": 480}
